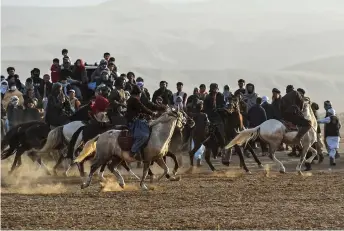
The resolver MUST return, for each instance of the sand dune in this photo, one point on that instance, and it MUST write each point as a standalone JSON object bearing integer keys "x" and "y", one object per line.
{"x": 269, "y": 44}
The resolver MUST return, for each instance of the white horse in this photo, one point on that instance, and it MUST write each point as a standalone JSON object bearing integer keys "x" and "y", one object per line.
{"x": 107, "y": 147}
{"x": 274, "y": 132}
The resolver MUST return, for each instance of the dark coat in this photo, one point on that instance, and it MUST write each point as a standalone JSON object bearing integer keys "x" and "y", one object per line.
{"x": 290, "y": 99}
{"x": 166, "y": 95}
{"x": 135, "y": 109}
{"x": 269, "y": 110}
{"x": 256, "y": 116}
{"x": 276, "y": 105}
{"x": 56, "y": 114}
{"x": 209, "y": 107}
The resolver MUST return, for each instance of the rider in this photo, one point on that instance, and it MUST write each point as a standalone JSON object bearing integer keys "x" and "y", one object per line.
{"x": 213, "y": 101}
{"x": 58, "y": 108}
{"x": 291, "y": 109}
{"x": 138, "y": 124}
{"x": 100, "y": 105}
{"x": 117, "y": 99}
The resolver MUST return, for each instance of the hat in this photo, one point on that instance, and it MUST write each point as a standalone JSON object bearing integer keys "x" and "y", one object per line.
{"x": 276, "y": 91}
{"x": 290, "y": 87}
{"x": 331, "y": 111}
{"x": 265, "y": 99}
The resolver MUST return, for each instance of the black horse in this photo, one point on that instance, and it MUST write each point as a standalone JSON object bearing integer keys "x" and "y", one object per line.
{"x": 24, "y": 137}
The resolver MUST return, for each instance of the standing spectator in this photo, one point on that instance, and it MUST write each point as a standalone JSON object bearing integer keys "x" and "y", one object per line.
{"x": 164, "y": 93}
{"x": 79, "y": 73}
{"x": 276, "y": 104}
{"x": 36, "y": 79}
{"x": 332, "y": 134}
{"x": 74, "y": 102}
{"x": 12, "y": 91}
{"x": 4, "y": 88}
{"x": 227, "y": 94}
{"x": 202, "y": 92}
{"x": 47, "y": 86}
{"x": 241, "y": 84}
{"x": 250, "y": 97}
{"x": 107, "y": 56}
{"x": 267, "y": 107}
{"x": 55, "y": 70}
{"x": 180, "y": 93}
{"x": 65, "y": 55}
{"x": 257, "y": 116}
{"x": 131, "y": 81}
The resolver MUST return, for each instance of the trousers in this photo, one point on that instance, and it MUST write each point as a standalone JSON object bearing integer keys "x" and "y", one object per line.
{"x": 140, "y": 130}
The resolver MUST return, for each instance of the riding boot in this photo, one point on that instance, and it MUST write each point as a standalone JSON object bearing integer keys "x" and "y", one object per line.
{"x": 298, "y": 138}
{"x": 332, "y": 162}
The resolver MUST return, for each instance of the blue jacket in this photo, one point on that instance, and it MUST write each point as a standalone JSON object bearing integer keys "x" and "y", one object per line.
{"x": 256, "y": 116}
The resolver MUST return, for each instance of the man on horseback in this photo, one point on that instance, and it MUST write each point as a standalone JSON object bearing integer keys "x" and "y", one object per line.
{"x": 58, "y": 108}
{"x": 117, "y": 102}
{"x": 100, "y": 105}
{"x": 212, "y": 102}
{"x": 137, "y": 115}
{"x": 291, "y": 109}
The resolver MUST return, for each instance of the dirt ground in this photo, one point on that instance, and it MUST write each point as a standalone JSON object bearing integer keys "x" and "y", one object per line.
{"x": 227, "y": 199}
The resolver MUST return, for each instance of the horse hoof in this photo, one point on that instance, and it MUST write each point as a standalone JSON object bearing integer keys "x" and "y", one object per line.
{"x": 144, "y": 187}
{"x": 122, "y": 185}
{"x": 178, "y": 178}
{"x": 282, "y": 171}
{"x": 321, "y": 159}
{"x": 300, "y": 173}
{"x": 82, "y": 186}
{"x": 260, "y": 166}
{"x": 174, "y": 172}
{"x": 249, "y": 172}
{"x": 226, "y": 163}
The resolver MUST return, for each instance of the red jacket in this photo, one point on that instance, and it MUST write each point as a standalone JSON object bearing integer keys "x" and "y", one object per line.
{"x": 100, "y": 104}
{"x": 55, "y": 73}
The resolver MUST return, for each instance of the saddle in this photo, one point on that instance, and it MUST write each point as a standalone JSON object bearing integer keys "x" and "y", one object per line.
{"x": 290, "y": 126}
{"x": 125, "y": 140}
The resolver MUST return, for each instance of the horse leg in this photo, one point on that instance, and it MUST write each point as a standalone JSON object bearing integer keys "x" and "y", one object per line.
{"x": 146, "y": 165}
{"x": 192, "y": 152}
{"x": 59, "y": 161}
{"x": 249, "y": 147}
{"x": 174, "y": 158}
{"x": 113, "y": 169}
{"x": 314, "y": 154}
{"x": 163, "y": 165}
{"x": 16, "y": 158}
{"x": 126, "y": 167}
{"x": 34, "y": 157}
{"x": 302, "y": 158}
{"x": 207, "y": 155}
{"x": 241, "y": 157}
{"x": 272, "y": 150}
{"x": 94, "y": 168}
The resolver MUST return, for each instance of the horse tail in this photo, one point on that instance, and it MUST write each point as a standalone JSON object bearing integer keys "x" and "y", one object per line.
{"x": 244, "y": 137}
{"x": 73, "y": 141}
{"x": 55, "y": 138}
{"x": 88, "y": 149}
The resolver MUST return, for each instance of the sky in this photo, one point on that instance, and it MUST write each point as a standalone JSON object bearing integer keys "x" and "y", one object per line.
{"x": 51, "y": 3}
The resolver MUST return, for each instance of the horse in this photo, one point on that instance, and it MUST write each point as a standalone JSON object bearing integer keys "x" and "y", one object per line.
{"x": 108, "y": 147}
{"x": 204, "y": 134}
{"x": 274, "y": 132}
{"x": 24, "y": 137}
{"x": 59, "y": 137}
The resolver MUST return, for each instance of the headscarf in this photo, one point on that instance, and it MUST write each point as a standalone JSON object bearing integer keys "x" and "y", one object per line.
{"x": 331, "y": 111}
{"x": 100, "y": 104}
{"x": 14, "y": 100}
{"x": 179, "y": 102}
{"x": 4, "y": 86}
{"x": 265, "y": 99}
{"x": 140, "y": 84}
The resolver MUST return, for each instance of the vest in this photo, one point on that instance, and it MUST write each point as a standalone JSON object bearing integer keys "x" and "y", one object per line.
{"x": 175, "y": 95}
{"x": 332, "y": 129}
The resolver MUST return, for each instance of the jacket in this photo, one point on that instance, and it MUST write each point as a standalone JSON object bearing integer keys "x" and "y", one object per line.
{"x": 135, "y": 109}
{"x": 166, "y": 96}
{"x": 290, "y": 99}
{"x": 256, "y": 116}
{"x": 269, "y": 110}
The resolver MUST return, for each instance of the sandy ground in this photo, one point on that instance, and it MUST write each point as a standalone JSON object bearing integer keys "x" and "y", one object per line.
{"x": 227, "y": 199}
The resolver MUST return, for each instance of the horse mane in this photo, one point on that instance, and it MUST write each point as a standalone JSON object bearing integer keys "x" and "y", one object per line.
{"x": 160, "y": 119}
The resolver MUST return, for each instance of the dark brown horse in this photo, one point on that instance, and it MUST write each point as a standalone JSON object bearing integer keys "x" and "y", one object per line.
{"x": 233, "y": 121}
{"x": 204, "y": 133}
{"x": 24, "y": 137}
